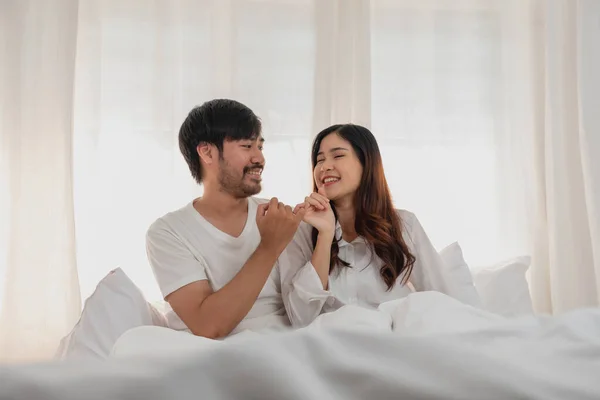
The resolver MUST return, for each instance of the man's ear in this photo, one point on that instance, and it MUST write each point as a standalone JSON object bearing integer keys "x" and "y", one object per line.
{"x": 206, "y": 152}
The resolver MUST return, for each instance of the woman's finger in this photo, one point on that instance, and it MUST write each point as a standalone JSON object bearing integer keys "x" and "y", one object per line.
{"x": 320, "y": 198}
{"x": 321, "y": 191}
{"x": 315, "y": 203}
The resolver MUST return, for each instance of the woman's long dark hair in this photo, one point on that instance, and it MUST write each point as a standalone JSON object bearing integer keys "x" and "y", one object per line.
{"x": 376, "y": 219}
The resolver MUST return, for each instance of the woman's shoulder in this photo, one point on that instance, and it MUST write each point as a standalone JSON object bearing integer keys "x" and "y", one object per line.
{"x": 406, "y": 216}
{"x": 410, "y": 222}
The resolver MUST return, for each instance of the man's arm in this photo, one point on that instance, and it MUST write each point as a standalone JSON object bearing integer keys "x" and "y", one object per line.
{"x": 216, "y": 314}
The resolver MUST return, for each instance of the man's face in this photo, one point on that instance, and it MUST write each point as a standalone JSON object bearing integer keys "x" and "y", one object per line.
{"x": 240, "y": 167}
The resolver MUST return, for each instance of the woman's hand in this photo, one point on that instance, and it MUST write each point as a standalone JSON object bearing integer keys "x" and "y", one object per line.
{"x": 318, "y": 213}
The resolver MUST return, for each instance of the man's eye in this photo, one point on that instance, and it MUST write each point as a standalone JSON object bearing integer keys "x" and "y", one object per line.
{"x": 320, "y": 161}
{"x": 339, "y": 156}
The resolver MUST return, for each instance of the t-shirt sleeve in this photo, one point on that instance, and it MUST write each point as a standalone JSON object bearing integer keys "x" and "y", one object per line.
{"x": 173, "y": 264}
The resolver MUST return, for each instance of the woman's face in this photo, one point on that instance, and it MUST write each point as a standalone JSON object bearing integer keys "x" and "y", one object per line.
{"x": 338, "y": 170}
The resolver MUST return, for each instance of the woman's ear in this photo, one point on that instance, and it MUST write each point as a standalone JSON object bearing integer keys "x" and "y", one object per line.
{"x": 206, "y": 152}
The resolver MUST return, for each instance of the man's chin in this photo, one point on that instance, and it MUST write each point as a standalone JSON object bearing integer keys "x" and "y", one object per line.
{"x": 256, "y": 190}
{"x": 251, "y": 190}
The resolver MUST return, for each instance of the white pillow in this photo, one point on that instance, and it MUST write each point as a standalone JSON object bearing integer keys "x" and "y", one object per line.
{"x": 503, "y": 287}
{"x": 461, "y": 274}
{"x": 116, "y": 306}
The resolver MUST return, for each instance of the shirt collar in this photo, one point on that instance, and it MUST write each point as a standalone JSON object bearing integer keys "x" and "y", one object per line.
{"x": 342, "y": 242}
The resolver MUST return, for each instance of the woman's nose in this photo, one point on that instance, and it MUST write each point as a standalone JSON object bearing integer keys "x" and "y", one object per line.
{"x": 326, "y": 166}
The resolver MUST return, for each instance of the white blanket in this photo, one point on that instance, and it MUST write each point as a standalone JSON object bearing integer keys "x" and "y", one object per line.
{"x": 438, "y": 349}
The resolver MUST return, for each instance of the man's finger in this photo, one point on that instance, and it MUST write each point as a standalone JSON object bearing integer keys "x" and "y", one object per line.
{"x": 273, "y": 203}
{"x": 300, "y": 214}
{"x": 261, "y": 210}
{"x": 298, "y": 206}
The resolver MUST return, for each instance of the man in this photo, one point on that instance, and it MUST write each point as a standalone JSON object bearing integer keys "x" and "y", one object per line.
{"x": 214, "y": 258}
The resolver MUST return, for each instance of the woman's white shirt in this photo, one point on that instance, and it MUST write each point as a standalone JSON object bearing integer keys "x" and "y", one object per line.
{"x": 361, "y": 283}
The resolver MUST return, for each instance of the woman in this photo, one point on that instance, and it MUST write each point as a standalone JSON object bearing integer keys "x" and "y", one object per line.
{"x": 355, "y": 248}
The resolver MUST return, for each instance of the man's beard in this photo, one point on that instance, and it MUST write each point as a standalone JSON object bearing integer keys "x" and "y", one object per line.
{"x": 235, "y": 185}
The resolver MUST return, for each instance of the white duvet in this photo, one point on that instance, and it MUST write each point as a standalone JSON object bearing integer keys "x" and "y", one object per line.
{"x": 426, "y": 346}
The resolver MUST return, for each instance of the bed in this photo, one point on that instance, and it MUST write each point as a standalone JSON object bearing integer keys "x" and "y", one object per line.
{"x": 425, "y": 346}
{"x": 436, "y": 348}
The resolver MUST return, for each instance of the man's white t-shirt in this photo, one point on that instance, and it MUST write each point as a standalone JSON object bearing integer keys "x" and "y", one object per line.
{"x": 183, "y": 247}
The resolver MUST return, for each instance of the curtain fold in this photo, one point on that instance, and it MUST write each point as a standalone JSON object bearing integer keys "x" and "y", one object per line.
{"x": 342, "y": 63}
{"x": 40, "y": 289}
{"x": 565, "y": 273}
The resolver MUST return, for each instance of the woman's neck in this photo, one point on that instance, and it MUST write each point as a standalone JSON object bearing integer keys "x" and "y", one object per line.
{"x": 346, "y": 216}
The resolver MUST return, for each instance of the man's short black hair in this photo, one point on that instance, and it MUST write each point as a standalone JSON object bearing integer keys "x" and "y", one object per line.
{"x": 214, "y": 122}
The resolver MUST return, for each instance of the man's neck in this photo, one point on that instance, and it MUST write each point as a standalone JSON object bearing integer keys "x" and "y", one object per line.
{"x": 219, "y": 203}
{"x": 346, "y": 217}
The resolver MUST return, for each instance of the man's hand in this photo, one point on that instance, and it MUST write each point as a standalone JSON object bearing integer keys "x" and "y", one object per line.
{"x": 277, "y": 224}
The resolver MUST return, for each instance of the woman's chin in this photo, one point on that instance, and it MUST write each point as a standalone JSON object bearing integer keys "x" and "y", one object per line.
{"x": 335, "y": 192}
{"x": 328, "y": 192}
{"x": 333, "y": 195}
{"x": 342, "y": 199}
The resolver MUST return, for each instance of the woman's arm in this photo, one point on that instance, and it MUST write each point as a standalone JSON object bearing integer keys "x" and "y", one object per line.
{"x": 304, "y": 270}
{"x": 321, "y": 257}
{"x": 301, "y": 286}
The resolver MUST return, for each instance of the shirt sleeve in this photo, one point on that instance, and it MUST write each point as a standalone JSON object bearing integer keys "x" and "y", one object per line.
{"x": 301, "y": 288}
{"x": 173, "y": 264}
{"x": 430, "y": 272}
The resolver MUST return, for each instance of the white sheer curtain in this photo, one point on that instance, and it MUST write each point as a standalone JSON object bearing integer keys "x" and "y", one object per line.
{"x": 485, "y": 111}
{"x": 566, "y": 272}
{"x": 140, "y": 69}
{"x": 39, "y": 290}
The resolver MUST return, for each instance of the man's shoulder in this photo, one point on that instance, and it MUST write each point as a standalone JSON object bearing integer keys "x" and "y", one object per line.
{"x": 170, "y": 220}
{"x": 258, "y": 200}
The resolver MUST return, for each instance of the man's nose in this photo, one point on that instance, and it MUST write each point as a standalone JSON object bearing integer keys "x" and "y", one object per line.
{"x": 258, "y": 158}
